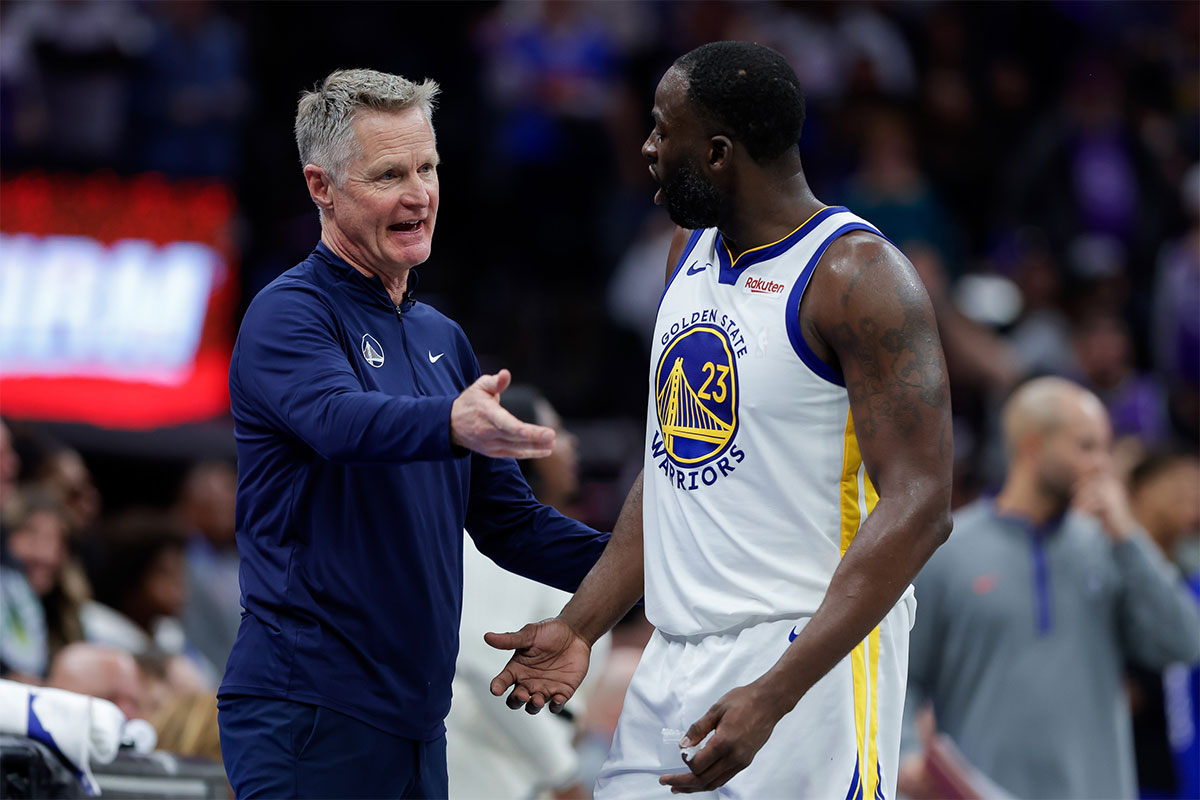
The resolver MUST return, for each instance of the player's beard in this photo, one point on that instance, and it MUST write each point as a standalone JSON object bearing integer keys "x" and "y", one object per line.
{"x": 692, "y": 201}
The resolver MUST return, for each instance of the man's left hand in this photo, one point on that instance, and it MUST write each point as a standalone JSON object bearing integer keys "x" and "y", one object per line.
{"x": 1104, "y": 497}
{"x": 741, "y": 722}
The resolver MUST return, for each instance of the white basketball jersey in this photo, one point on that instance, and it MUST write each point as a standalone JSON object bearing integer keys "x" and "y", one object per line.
{"x": 754, "y": 485}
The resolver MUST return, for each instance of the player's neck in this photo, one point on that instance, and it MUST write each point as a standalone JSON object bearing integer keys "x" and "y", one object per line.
{"x": 769, "y": 205}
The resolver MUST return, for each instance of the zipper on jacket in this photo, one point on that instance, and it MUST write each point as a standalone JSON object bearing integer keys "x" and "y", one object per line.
{"x": 407, "y": 355}
{"x": 1043, "y": 606}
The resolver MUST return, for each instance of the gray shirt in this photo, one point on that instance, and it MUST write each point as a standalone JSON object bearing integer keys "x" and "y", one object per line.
{"x": 1020, "y": 639}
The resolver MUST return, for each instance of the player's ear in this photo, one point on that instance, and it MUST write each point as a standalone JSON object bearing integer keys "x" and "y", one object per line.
{"x": 319, "y": 186}
{"x": 720, "y": 152}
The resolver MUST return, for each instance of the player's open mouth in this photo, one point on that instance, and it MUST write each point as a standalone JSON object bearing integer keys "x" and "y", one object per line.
{"x": 406, "y": 227}
{"x": 658, "y": 195}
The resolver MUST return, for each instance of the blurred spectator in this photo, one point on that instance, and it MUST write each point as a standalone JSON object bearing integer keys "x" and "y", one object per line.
{"x": 10, "y": 466}
{"x": 1175, "y": 315}
{"x": 36, "y": 527}
{"x": 638, "y": 280}
{"x": 105, "y": 672}
{"x": 64, "y": 471}
{"x": 890, "y": 188}
{"x": 834, "y": 48}
{"x": 22, "y": 623}
{"x": 606, "y": 697}
{"x": 165, "y": 677}
{"x": 187, "y": 726}
{"x": 553, "y": 77}
{"x": 1030, "y": 610}
{"x": 1083, "y": 171}
{"x": 194, "y": 93}
{"x": 1136, "y": 401}
{"x": 140, "y": 587}
{"x": 555, "y": 478}
{"x": 490, "y": 751}
{"x": 76, "y": 60}
{"x": 1165, "y": 491}
{"x": 1041, "y": 337}
{"x": 213, "y": 608}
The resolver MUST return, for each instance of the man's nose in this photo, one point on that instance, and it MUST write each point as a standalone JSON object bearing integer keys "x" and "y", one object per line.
{"x": 416, "y": 193}
{"x": 649, "y": 150}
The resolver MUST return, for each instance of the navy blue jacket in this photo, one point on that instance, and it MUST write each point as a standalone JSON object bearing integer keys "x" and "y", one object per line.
{"x": 351, "y": 501}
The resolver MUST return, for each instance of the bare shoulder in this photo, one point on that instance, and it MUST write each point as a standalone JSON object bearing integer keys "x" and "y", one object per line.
{"x": 873, "y": 314}
{"x": 861, "y": 267}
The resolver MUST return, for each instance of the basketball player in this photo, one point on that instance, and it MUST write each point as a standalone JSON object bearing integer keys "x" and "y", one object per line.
{"x": 797, "y": 472}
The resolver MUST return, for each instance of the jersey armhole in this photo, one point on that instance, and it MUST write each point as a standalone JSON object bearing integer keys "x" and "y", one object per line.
{"x": 792, "y": 307}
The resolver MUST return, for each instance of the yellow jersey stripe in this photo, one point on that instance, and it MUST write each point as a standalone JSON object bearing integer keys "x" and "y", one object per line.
{"x": 856, "y": 503}
{"x": 851, "y": 461}
{"x": 871, "y": 782}
{"x": 733, "y": 261}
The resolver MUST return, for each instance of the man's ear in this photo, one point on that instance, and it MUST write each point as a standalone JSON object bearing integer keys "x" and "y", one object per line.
{"x": 320, "y": 186}
{"x": 720, "y": 152}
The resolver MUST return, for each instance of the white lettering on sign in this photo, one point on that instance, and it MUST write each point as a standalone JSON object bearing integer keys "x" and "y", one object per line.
{"x": 133, "y": 310}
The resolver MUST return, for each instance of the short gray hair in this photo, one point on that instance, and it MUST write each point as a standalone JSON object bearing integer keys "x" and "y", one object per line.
{"x": 325, "y": 116}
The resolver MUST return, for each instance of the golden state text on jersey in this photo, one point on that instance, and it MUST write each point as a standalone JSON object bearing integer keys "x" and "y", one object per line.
{"x": 696, "y": 400}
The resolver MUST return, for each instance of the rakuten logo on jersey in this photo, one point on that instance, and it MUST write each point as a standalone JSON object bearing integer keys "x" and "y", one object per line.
{"x": 759, "y": 286}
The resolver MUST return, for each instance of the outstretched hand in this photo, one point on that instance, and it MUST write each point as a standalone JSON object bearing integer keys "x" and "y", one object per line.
{"x": 477, "y": 422}
{"x": 547, "y": 667}
{"x": 740, "y": 723}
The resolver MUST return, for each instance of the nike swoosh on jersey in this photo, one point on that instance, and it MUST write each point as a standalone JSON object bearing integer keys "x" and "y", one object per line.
{"x": 695, "y": 271}
{"x": 792, "y": 635}
{"x": 432, "y": 358}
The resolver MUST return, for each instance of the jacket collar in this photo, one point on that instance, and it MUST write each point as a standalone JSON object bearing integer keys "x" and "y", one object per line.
{"x": 371, "y": 285}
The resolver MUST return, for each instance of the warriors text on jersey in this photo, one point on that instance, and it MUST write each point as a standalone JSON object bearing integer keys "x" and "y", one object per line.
{"x": 754, "y": 481}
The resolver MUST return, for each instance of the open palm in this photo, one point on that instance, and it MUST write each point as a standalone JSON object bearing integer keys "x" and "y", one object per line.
{"x": 547, "y": 667}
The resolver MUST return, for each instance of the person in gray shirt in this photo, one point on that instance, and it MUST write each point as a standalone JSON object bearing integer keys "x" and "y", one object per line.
{"x": 1026, "y": 617}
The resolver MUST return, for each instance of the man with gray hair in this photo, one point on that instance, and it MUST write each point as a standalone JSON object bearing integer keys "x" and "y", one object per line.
{"x": 1027, "y": 615}
{"x": 367, "y": 441}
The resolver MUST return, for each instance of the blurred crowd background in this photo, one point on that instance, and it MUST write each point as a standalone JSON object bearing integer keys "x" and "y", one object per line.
{"x": 1038, "y": 163}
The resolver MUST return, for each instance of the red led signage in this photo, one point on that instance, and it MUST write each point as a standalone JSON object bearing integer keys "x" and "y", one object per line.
{"x": 116, "y": 299}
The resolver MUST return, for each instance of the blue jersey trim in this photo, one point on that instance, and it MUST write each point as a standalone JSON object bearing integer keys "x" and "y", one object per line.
{"x": 792, "y": 308}
{"x": 687, "y": 251}
{"x": 855, "y": 792}
{"x": 732, "y": 268}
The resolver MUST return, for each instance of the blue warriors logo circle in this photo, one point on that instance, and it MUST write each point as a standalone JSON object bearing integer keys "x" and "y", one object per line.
{"x": 696, "y": 389}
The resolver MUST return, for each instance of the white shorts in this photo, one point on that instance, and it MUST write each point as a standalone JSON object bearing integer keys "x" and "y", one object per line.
{"x": 841, "y": 741}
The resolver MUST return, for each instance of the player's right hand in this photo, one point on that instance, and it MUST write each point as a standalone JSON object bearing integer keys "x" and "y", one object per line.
{"x": 547, "y": 667}
{"x": 477, "y": 422}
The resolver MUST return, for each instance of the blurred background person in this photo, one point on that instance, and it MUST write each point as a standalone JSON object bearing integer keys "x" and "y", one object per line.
{"x": 1165, "y": 495}
{"x": 64, "y": 471}
{"x": 36, "y": 531}
{"x": 100, "y": 671}
{"x": 212, "y": 608}
{"x": 1030, "y": 611}
{"x": 141, "y": 583}
{"x": 187, "y": 726}
{"x": 10, "y": 466}
{"x": 490, "y": 751}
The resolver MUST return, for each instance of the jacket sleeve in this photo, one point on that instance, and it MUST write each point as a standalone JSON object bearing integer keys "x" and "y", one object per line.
{"x": 291, "y": 370}
{"x": 1159, "y": 620}
{"x": 523, "y": 536}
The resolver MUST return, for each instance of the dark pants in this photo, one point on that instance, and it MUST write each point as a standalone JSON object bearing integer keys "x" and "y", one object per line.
{"x": 277, "y": 748}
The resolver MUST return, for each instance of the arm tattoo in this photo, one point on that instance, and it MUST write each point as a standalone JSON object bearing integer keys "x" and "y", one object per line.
{"x": 900, "y": 367}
